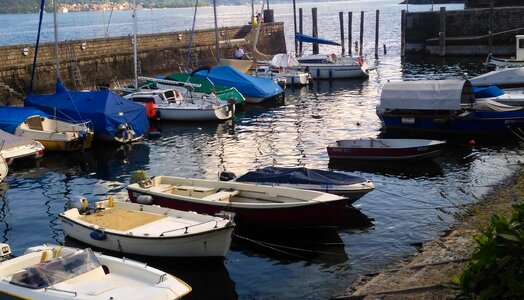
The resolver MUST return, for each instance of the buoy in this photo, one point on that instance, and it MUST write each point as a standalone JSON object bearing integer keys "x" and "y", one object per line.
{"x": 472, "y": 142}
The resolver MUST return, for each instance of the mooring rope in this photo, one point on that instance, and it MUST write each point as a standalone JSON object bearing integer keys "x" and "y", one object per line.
{"x": 42, "y": 4}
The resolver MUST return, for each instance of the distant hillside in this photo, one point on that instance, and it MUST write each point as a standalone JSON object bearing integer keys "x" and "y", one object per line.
{"x": 32, "y": 6}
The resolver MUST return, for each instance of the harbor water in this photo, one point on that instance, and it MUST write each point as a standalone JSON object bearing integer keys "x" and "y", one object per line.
{"x": 412, "y": 202}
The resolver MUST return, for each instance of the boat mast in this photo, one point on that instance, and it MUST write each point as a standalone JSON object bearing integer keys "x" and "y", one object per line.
{"x": 135, "y": 42}
{"x": 57, "y": 55}
{"x": 216, "y": 31}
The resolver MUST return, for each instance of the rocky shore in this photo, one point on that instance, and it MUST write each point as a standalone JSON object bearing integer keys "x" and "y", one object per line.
{"x": 426, "y": 275}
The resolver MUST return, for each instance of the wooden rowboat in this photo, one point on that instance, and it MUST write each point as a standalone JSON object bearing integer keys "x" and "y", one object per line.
{"x": 385, "y": 149}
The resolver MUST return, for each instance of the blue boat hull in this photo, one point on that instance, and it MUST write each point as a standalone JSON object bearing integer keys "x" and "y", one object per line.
{"x": 491, "y": 124}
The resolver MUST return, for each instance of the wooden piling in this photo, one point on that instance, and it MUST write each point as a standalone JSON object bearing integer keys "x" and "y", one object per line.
{"x": 341, "y": 18}
{"x": 315, "y": 29}
{"x": 442, "y": 32}
{"x": 403, "y": 33}
{"x": 300, "y": 29}
{"x": 376, "y": 32}
{"x": 361, "y": 33}
{"x": 350, "y": 29}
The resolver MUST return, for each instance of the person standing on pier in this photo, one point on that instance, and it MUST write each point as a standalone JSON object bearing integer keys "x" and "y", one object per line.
{"x": 239, "y": 53}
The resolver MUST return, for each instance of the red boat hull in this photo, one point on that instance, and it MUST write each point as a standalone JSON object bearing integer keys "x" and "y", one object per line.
{"x": 311, "y": 215}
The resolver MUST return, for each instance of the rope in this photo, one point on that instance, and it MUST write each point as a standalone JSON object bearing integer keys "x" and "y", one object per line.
{"x": 42, "y": 4}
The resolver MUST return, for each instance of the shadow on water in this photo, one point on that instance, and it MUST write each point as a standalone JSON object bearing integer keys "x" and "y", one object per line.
{"x": 321, "y": 246}
{"x": 208, "y": 278}
{"x": 114, "y": 160}
{"x": 401, "y": 169}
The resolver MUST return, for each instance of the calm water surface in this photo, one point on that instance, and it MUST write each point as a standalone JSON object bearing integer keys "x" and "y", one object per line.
{"x": 410, "y": 205}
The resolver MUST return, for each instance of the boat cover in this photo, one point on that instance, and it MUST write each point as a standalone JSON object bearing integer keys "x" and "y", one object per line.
{"x": 12, "y": 116}
{"x": 487, "y": 92}
{"x": 8, "y": 141}
{"x": 426, "y": 94}
{"x": 284, "y": 60}
{"x": 298, "y": 176}
{"x": 246, "y": 84}
{"x": 504, "y": 77}
{"x": 105, "y": 109}
{"x": 311, "y": 39}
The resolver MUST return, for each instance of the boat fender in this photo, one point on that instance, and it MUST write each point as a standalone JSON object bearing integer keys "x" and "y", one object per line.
{"x": 144, "y": 199}
{"x": 98, "y": 234}
{"x": 360, "y": 61}
{"x": 318, "y": 72}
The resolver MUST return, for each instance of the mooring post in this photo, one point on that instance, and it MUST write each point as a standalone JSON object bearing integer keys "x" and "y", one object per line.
{"x": 403, "y": 33}
{"x": 442, "y": 32}
{"x": 350, "y": 22}
{"x": 341, "y": 17}
{"x": 315, "y": 29}
{"x": 376, "y": 33}
{"x": 490, "y": 46}
{"x": 361, "y": 32}
{"x": 300, "y": 29}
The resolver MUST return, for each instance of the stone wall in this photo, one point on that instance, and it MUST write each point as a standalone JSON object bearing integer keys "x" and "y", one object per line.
{"x": 467, "y": 31}
{"x": 110, "y": 60}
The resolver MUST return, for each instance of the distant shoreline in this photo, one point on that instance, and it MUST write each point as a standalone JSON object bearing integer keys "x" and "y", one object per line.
{"x": 415, "y": 2}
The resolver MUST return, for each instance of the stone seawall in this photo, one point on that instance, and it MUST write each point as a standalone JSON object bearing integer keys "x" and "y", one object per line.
{"x": 86, "y": 62}
{"x": 467, "y": 32}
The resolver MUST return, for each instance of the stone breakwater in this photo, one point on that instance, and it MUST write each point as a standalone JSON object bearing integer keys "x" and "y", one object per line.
{"x": 84, "y": 63}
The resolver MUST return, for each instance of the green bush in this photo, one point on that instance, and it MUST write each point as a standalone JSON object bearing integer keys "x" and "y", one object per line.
{"x": 496, "y": 269}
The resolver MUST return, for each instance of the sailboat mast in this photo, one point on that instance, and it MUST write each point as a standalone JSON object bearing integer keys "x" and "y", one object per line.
{"x": 216, "y": 30}
{"x": 135, "y": 42}
{"x": 57, "y": 55}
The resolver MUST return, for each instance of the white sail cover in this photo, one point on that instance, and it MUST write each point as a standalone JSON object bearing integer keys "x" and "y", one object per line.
{"x": 426, "y": 94}
{"x": 284, "y": 60}
{"x": 504, "y": 77}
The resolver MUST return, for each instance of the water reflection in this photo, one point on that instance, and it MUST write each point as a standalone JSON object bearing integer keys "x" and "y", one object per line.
{"x": 117, "y": 162}
{"x": 401, "y": 169}
{"x": 313, "y": 245}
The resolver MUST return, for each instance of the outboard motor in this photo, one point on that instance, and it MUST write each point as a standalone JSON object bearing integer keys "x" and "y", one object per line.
{"x": 122, "y": 131}
{"x": 226, "y": 176}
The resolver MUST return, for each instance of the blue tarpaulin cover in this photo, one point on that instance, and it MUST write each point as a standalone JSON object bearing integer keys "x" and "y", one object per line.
{"x": 487, "y": 92}
{"x": 298, "y": 176}
{"x": 105, "y": 109}
{"x": 12, "y": 116}
{"x": 246, "y": 84}
{"x": 311, "y": 39}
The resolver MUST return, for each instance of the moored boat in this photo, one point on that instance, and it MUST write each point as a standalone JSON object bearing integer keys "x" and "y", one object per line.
{"x": 149, "y": 230}
{"x": 503, "y": 78}
{"x": 253, "y": 205}
{"x": 15, "y": 148}
{"x": 349, "y": 186}
{"x": 385, "y": 149}
{"x": 516, "y": 61}
{"x": 55, "y": 135}
{"x": 57, "y": 272}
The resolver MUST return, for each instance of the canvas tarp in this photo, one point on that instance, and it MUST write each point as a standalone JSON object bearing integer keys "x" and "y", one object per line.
{"x": 12, "y": 116}
{"x": 426, "y": 95}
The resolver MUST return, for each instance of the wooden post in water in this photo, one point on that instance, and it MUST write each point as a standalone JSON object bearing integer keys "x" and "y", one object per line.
{"x": 300, "y": 29}
{"x": 341, "y": 17}
{"x": 403, "y": 33}
{"x": 376, "y": 33}
{"x": 315, "y": 29}
{"x": 294, "y": 22}
{"x": 350, "y": 29}
{"x": 361, "y": 33}
{"x": 442, "y": 32}
{"x": 490, "y": 41}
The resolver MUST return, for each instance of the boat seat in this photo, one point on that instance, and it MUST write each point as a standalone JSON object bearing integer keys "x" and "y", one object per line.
{"x": 223, "y": 195}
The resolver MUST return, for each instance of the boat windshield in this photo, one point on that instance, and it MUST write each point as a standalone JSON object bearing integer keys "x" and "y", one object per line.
{"x": 56, "y": 270}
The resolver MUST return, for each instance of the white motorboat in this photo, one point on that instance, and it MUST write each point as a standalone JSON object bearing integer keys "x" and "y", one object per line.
{"x": 4, "y": 169}
{"x": 516, "y": 61}
{"x": 14, "y": 147}
{"x": 50, "y": 272}
{"x": 149, "y": 230}
{"x": 331, "y": 66}
{"x": 283, "y": 76}
{"x": 171, "y": 105}
{"x": 503, "y": 78}
{"x": 253, "y": 205}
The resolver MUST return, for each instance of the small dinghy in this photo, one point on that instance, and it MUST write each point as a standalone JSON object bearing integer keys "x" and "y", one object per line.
{"x": 56, "y": 272}
{"x": 253, "y": 205}
{"x": 352, "y": 187}
{"x": 148, "y": 230}
{"x": 385, "y": 149}
{"x": 17, "y": 148}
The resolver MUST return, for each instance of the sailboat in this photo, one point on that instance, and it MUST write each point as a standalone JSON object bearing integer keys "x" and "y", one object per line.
{"x": 113, "y": 118}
